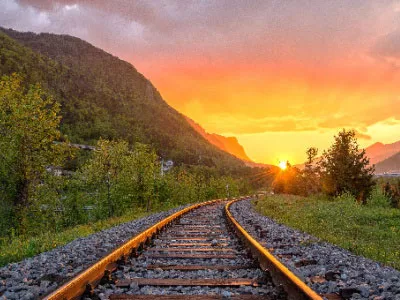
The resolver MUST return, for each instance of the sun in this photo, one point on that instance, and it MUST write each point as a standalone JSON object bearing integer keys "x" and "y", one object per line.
{"x": 283, "y": 165}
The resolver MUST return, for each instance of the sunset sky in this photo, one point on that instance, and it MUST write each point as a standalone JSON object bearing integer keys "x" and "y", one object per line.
{"x": 279, "y": 75}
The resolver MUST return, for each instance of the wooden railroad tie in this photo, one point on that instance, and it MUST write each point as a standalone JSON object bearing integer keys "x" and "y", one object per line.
{"x": 182, "y": 297}
{"x": 179, "y": 238}
{"x": 188, "y": 282}
{"x": 190, "y": 244}
{"x": 200, "y": 267}
{"x": 191, "y": 256}
{"x": 191, "y": 250}
{"x": 195, "y": 230}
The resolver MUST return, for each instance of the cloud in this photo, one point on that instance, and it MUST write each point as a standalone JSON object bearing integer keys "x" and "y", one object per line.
{"x": 308, "y": 31}
{"x": 251, "y": 66}
{"x": 236, "y": 124}
{"x": 388, "y": 45}
{"x": 363, "y": 136}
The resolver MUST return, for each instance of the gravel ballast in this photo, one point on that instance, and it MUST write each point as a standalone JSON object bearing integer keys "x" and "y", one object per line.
{"x": 41, "y": 274}
{"x": 326, "y": 268}
{"x": 137, "y": 268}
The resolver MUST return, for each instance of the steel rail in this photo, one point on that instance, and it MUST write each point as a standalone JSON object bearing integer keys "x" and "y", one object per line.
{"x": 280, "y": 275}
{"x": 89, "y": 278}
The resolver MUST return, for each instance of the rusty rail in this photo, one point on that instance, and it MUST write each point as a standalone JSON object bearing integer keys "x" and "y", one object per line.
{"x": 294, "y": 287}
{"x": 89, "y": 278}
{"x": 85, "y": 281}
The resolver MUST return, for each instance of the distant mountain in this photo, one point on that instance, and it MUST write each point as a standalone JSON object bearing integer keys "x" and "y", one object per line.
{"x": 379, "y": 152}
{"x": 228, "y": 144}
{"x": 103, "y": 96}
{"x": 391, "y": 164}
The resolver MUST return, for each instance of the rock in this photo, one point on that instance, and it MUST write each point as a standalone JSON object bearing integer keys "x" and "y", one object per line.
{"x": 364, "y": 291}
{"x": 9, "y": 295}
{"x": 332, "y": 275}
{"x": 226, "y": 294}
{"x": 339, "y": 266}
{"x": 28, "y": 296}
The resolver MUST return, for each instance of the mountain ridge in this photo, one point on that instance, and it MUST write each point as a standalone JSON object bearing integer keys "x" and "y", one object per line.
{"x": 228, "y": 144}
{"x": 104, "y": 96}
{"x": 391, "y": 164}
{"x": 378, "y": 151}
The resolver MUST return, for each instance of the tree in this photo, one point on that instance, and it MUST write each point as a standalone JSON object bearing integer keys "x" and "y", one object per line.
{"x": 119, "y": 178}
{"x": 312, "y": 153}
{"x": 345, "y": 168}
{"x": 29, "y": 123}
{"x": 145, "y": 170}
{"x": 104, "y": 174}
{"x": 310, "y": 174}
{"x": 288, "y": 181}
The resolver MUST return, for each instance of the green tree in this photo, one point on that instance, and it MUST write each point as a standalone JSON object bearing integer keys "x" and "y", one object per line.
{"x": 144, "y": 173}
{"x": 345, "y": 168}
{"x": 118, "y": 178}
{"x": 104, "y": 175}
{"x": 310, "y": 175}
{"x": 29, "y": 123}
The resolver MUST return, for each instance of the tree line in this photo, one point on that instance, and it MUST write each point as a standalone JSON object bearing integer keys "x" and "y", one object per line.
{"x": 343, "y": 168}
{"x": 114, "y": 178}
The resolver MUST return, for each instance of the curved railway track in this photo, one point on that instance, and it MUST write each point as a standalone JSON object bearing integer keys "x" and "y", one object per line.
{"x": 200, "y": 252}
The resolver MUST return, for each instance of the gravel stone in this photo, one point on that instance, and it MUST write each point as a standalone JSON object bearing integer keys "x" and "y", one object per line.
{"x": 35, "y": 277}
{"x": 138, "y": 266}
{"x": 352, "y": 276}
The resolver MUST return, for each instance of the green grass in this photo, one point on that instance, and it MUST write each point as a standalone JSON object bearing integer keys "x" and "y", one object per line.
{"x": 22, "y": 247}
{"x": 372, "y": 230}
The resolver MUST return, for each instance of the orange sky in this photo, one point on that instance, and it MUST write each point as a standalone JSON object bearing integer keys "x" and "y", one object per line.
{"x": 277, "y": 111}
{"x": 279, "y": 75}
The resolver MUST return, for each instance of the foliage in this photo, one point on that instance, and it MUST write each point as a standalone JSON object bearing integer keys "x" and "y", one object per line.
{"x": 288, "y": 181}
{"x": 119, "y": 178}
{"x": 311, "y": 183}
{"x": 103, "y": 101}
{"x": 392, "y": 193}
{"x": 29, "y": 124}
{"x": 21, "y": 247}
{"x": 294, "y": 181}
{"x": 345, "y": 168}
{"x": 371, "y": 230}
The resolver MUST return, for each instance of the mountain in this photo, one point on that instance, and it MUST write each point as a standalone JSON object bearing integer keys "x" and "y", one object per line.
{"x": 379, "y": 152}
{"x": 228, "y": 144}
{"x": 391, "y": 164}
{"x": 103, "y": 96}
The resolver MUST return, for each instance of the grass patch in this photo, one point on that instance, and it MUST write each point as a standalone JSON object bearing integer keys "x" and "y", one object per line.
{"x": 21, "y": 247}
{"x": 372, "y": 230}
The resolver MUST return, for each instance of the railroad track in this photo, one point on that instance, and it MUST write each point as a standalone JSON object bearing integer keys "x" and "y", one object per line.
{"x": 200, "y": 252}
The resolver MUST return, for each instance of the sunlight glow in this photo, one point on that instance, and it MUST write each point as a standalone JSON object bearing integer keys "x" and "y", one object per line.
{"x": 283, "y": 165}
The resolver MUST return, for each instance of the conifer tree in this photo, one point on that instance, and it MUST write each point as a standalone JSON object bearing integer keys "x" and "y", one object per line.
{"x": 345, "y": 168}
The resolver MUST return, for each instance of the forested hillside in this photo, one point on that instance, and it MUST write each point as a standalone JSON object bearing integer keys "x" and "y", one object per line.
{"x": 103, "y": 96}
